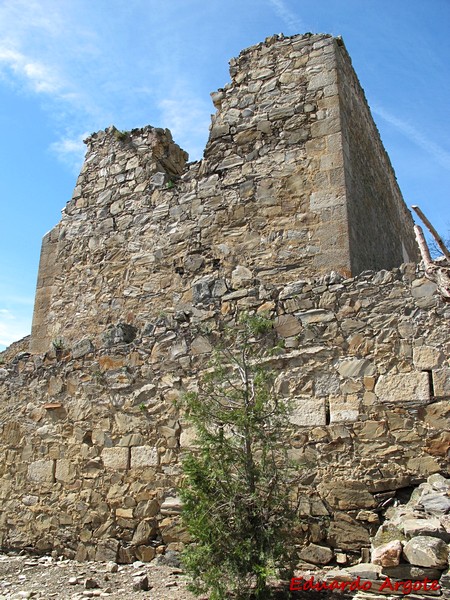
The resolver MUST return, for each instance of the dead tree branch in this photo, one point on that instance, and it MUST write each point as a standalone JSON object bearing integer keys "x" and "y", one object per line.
{"x": 435, "y": 271}
{"x": 433, "y": 232}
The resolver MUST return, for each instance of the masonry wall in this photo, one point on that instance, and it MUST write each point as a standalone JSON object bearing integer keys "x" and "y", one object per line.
{"x": 373, "y": 197}
{"x": 91, "y": 439}
{"x": 152, "y": 254}
{"x": 280, "y": 191}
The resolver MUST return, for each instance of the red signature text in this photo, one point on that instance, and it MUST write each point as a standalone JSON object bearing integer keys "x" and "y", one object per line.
{"x": 405, "y": 587}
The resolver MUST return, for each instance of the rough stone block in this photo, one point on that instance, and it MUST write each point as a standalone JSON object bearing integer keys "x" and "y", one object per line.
{"x": 423, "y": 465}
{"x": 317, "y": 555}
{"x": 171, "y": 506}
{"x": 439, "y": 445}
{"x": 346, "y": 495}
{"x": 187, "y": 437}
{"x": 403, "y": 387}
{"x": 172, "y": 531}
{"x": 426, "y": 551}
{"x": 411, "y": 572}
{"x": 115, "y": 458}
{"x": 423, "y": 288}
{"x": 387, "y": 555}
{"x": 287, "y": 325}
{"x": 412, "y": 527}
{"x": 41, "y": 471}
{"x": 144, "y": 532}
{"x": 308, "y": 412}
{"x": 107, "y": 550}
{"x": 145, "y": 553}
{"x": 427, "y": 357}
{"x": 82, "y": 348}
{"x": 356, "y": 367}
{"x": 326, "y": 384}
{"x": 124, "y": 513}
{"x": 344, "y": 409}
{"x": 200, "y": 345}
{"x": 441, "y": 382}
{"x": 144, "y": 456}
{"x": 316, "y": 315}
{"x": 132, "y": 439}
{"x": 347, "y": 534}
{"x": 65, "y": 470}
{"x": 322, "y": 80}
{"x": 325, "y": 199}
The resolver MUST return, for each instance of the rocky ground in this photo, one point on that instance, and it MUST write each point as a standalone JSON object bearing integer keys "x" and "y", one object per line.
{"x": 44, "y": 578}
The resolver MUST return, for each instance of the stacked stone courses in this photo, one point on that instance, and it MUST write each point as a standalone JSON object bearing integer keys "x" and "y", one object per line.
{"x": 293, "y": 213}
{"x": 294, "y": 183}
{"x": 92, "y": 438}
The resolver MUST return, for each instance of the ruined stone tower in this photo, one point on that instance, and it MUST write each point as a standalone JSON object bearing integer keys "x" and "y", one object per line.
{"x": 293, "y": 202}
{"x": 294, "y": 183}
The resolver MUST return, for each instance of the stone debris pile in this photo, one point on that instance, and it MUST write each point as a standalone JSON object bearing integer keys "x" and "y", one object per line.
{"x": 410, "y": 551}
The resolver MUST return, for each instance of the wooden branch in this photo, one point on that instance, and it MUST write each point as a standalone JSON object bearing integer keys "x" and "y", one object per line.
{"x": 433, "y": 232}
{"x": 423, "y": 247}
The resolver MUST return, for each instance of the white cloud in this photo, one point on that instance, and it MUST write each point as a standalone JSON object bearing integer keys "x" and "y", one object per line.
{"x": 87, "y": 80}
{"x": 13, "y": 327}
{"x": 188, "y": 119}
{"x": 71, "y": 150}
{"x": 441, "y": 155}
{"x": 289, "y": 17}
{"x": 38, "y": 76}
{"x": 38, "y": 55}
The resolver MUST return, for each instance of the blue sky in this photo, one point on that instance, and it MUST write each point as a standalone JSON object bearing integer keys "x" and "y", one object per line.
{"x": 71, "y": 67}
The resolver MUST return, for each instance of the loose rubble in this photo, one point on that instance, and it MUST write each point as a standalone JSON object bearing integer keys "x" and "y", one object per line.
{"x": 414, "y": 555}
{"x": 44, "y": 578}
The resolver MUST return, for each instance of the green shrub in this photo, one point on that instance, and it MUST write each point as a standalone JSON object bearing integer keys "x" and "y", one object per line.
{"x": 238, "y": 487}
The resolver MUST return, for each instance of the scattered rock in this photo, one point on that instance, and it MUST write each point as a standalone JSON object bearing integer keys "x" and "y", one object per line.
{"x": 123, "y": 333}
{"x": 346, "y": 533}
{"x": 317, "y": 555}
{"x": 82, "y": 348}
{"x": 90, "y": 584}
{"x": 405, "y": 571}
{"x": 387, "y": 555}
{"x": 364, "y": 570}
{"x": 141, "y": 584}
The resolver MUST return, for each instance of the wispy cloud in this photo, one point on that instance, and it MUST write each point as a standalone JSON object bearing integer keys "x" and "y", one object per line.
{"x": 85, "y": 80}
{"x": 71, "y": 150}
{"x": 441, "y": 155}
{"x": 287, "y": 15}
{"x": 38, "y": 76}
{"x": 12, "y": 327}
{"x": 188, "y": 119}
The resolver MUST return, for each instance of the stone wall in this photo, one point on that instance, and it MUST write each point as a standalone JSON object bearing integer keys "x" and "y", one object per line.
{"x": 294, "y": 183}
{"x": 373, "y": 195}
{"x": 91, "y": 438}
{"x": 152, "y": 256}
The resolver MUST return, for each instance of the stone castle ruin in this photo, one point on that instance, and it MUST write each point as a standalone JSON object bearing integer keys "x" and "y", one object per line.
{"x": 294, "y": 212}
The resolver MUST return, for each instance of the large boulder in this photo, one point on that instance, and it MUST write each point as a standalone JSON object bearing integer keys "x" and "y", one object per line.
{"x": 426, "y": 551}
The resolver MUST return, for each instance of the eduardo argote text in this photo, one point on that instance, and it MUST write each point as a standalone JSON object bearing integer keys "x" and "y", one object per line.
{"x": 405, "y": 587}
